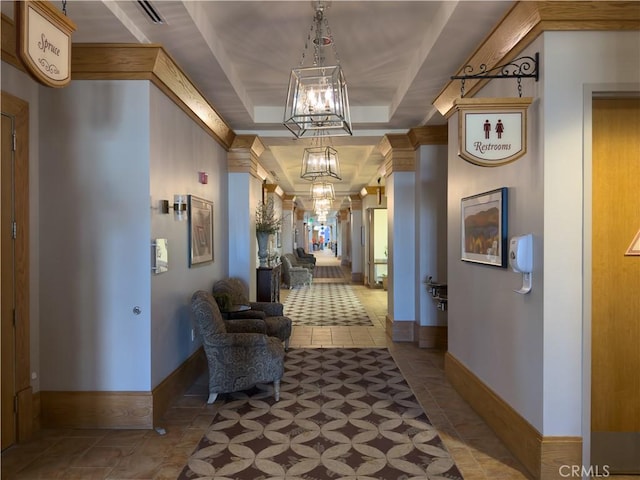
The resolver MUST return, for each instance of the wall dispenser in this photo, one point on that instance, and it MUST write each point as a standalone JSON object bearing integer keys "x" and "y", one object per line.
{"x": 521, "y": 259}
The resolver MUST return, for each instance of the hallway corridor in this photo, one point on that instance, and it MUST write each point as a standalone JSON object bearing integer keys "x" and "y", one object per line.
{"x": 152, "y": 455}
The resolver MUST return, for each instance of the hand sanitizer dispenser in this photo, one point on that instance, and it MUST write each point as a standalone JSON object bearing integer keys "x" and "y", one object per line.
{"x": 521, "y": 259}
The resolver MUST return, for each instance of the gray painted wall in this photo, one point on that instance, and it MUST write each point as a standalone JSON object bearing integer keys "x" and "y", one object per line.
{"x": 530, "y": 349}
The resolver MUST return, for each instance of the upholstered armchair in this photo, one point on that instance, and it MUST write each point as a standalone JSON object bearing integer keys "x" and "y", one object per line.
{"x": 236, "y": 361}
{"x": 304, "y": 257}
{"x": 294, "y": 276}
{"x": 233, "y": 291}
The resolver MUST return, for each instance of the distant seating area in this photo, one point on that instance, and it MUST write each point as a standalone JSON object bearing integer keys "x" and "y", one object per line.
{"x": 304, "y": 257}
{"x": 294, "y": 274}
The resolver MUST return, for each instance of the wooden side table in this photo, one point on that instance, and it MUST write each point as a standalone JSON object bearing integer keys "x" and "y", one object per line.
{"x": 268, "y": 283}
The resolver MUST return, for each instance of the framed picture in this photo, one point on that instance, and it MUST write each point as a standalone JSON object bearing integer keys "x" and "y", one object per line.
{"x": 484, "y": 228}
{"x": 200, "y": 230}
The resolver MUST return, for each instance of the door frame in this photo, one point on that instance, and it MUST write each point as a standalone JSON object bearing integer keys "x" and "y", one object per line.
{"x": 19, "y": 109}
{"x": 590, "y": 92}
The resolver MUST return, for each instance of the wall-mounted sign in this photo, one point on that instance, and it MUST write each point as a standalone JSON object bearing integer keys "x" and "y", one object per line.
{"x": 44, "y": 42}
{"x": 493, "y": 131}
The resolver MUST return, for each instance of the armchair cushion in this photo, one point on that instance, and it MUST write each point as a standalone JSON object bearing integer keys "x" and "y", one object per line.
{"x": 236, "y": 361}
{"x": 271, "y": 313}
{"x": 305, "y": 257}
{"x": 294, "y": 276}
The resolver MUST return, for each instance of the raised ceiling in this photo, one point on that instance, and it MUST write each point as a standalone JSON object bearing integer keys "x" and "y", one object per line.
{"x": 397, "y": 56}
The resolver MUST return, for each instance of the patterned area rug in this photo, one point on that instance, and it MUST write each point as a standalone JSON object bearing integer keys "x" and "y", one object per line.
{"x": 325, "y": 304}
{"x": 342, "y": 414}
{"x": 327, "y": 271}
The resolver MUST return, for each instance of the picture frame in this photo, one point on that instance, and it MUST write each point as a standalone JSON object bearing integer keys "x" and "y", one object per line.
{"x": 484, "y": 228}
{"x": 200, "y": 230}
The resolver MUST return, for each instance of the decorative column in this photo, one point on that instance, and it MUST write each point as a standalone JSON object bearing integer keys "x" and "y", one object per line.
{"x": 357, "y": 240}
{"x": 245, "y": 191}
{"x": 288, "y": 224}
{"x": 400, "y": 159}
{"x": 344, "y": 238}
{"x": 431, "y": 225}
{"x": 301, "y": 232}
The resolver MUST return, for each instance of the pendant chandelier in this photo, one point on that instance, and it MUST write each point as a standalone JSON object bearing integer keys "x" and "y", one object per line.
{"x": 320, "y": 160}
{"x": 322, "y": 190}
{"x": 317, "y": 97}
{"x": 322, "y": 206}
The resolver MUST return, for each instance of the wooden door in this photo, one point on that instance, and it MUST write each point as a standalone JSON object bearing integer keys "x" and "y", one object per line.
{"x": 17, "y": 405}
{"x": 615, "y": 390}
{"x": 7, "y": 299}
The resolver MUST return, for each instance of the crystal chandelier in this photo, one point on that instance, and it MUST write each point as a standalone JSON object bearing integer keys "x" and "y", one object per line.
{"x": 317, "y": 97}
{"x": 320, "y": 190}
{"x": 322, "y": 205}
{"x": 320, "y": 160}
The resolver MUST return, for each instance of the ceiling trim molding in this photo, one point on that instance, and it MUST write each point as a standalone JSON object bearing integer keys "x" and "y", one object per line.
{"x": 429, "y": 135}
{"x": 398, "y": 152}
{"x": 524, "y": 23}
{"x": 356, "y": 202}
{"x": 370, "y": 190}
{"x": 243, "y": 155}
{"x": 110, "y": 61}
{"x": 9, "y": 43}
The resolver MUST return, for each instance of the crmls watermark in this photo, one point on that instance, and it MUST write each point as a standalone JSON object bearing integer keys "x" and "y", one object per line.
{"x": 580, "y": 471}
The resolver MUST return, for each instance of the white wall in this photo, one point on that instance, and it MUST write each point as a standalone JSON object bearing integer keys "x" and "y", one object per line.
{"x": 20, "y": 85}
{"x": 110, "y": 152}
{"x": 94, "y": 236}
{"x": 179, "y": 149}
{"x": 401, "y": 208}
{"x": 529, "y": 348}
{"x": 573, "y": 63}
{"x": 495, "y": 332}
{"x": 431, "y": 229}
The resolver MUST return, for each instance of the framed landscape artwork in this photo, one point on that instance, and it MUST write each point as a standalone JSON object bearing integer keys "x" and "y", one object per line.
{"x": 484, "y": 228}
{"x": 200, "y": 231}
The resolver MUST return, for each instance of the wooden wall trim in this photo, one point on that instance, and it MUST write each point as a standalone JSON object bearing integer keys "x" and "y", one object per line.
{"x": 115, "y": 61}
{"x": 432, "y": 336}
{"x": 541, "y": 456}
{"x": 429, "y": 135}
{"x": 522, "y": 25}
{"x": 400, "y": 331}
{"x": 135, "y": 410}
{"x": 9, "y": 43}
{"x": 177, "y": 383}
{"x": 96, "y": 409}
{"x": 108, "y": 61}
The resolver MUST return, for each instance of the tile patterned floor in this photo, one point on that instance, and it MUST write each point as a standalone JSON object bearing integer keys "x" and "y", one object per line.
{"x": 147, "y": 455}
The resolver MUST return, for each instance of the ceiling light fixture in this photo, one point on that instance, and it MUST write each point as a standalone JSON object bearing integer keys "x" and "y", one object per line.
{"x": 320, "y": 160}
{"x": 317, "y": 98}
{"x": 320, "y": 190}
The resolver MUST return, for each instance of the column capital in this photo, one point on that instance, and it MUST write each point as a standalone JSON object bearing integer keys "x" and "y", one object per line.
{"x": 398, "y": 152}
{"x": 288, "y": 202}
{"x": 356, "y": 202}
{"x": 344, "y": 215}
{"x": 300, "y": 214}
{"x": 244, "y": 153}
{"x": 429, "y": 135}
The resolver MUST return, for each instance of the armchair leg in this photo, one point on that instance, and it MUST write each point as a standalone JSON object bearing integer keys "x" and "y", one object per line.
{"x": 276, "y": 389}
{"x": 212, "y": 398}
{"x": 286, "y": 344}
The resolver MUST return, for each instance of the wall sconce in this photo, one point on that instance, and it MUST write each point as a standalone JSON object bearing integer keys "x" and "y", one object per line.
{"x": 179, "y": 206}
{"x": 203, "y": 177}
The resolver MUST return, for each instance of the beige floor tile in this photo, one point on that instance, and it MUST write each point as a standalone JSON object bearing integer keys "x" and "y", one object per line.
{"x": 133, "y": 454}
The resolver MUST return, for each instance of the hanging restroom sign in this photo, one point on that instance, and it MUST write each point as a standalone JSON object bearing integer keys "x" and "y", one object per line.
{"x": 493, "y": 131}
{"x": 44, "y": 42}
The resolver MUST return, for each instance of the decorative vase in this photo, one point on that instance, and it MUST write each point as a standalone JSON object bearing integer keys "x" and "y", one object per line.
{"x": 263, "y": 242}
